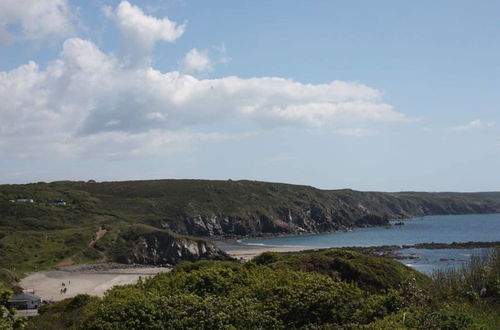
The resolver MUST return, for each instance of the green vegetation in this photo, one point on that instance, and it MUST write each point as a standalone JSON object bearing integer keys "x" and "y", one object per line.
{"x": 108, "y": 221}
{"x": 374, "y": 274}
{"x": 7, "y": 319}
{"x": 480, "y": 278}
{"x": 61, "y": 315}
{"x": 285, "y": 291}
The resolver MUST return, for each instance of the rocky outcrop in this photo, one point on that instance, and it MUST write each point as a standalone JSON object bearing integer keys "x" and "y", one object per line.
{"x": 162, "y": 248}
{"x": 339, "y": 212}
{"x": 293, "y": 222}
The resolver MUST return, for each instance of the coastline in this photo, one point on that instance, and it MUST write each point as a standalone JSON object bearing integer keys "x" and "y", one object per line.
{"x": 382, "y": 245}
{"x": 246, "y": 252}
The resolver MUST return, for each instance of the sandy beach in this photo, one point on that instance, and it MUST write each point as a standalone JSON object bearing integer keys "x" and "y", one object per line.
{"x": 97, "y": 279}
{"x": 247, "y": 252}
{"x": 89, "y": 279}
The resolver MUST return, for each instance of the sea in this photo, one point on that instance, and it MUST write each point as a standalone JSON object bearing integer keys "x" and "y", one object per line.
{"x": 429, "y": 229}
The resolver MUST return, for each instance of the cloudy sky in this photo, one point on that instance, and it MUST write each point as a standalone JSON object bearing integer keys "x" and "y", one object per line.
{"x": 369, "y": 95}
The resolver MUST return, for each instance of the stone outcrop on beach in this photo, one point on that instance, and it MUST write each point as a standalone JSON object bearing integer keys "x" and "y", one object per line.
{"x": 163, "y": 248}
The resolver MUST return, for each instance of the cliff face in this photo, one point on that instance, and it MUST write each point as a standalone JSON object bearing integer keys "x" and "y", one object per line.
{"x": 147, "y": 221}
{"x": 339, "y": 212}
{"x": 275, "y": 222}
{"x": 161, "y": 248}
{"x": 241, "y": 208}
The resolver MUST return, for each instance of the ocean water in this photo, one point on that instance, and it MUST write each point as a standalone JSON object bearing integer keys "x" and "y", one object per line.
{"x": 429, "y": 261}
{"x": 431, "y": 229}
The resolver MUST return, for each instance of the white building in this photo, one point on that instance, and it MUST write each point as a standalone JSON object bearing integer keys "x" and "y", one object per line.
{"x": 25, "y": 301}
{"x": 25, "y": 200}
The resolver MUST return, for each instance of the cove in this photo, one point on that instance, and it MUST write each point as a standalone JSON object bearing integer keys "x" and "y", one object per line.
{"x": 430, "y": 229}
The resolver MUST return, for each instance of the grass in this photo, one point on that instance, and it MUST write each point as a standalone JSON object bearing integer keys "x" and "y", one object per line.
{"x": 478, "y": 278}
{"x": 40, "y": 235}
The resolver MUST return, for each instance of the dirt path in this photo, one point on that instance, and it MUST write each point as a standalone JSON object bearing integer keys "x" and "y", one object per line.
{"x": 98, "y": 235}
{"x": 84, "y": 279}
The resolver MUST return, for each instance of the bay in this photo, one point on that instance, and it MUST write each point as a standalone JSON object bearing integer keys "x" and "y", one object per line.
{"x": 430, "y": 229}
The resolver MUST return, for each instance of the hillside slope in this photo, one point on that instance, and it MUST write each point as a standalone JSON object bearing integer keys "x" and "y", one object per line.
{"x": 140, "y": 217}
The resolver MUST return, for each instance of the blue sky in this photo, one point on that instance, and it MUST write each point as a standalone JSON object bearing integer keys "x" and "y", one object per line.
{"x": 369, "y": 95}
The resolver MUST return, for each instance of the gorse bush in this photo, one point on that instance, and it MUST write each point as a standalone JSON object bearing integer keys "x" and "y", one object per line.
{"x": 374, "y": 274}
{"x": 275, "y": 291}
{"x": 221, "y": 295}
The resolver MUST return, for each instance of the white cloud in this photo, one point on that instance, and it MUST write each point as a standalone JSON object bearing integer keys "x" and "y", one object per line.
{"x": 358, "y": 132}
{"x": 473, "y": 125}
{"x": 222, "y": 56}
{"x": 196, "y": 61}
{"x": 140, "y": 31}
{"x": 34, "y": 19}
{"x": 87, "y": 103}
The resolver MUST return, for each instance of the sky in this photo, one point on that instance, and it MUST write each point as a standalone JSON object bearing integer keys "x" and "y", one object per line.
{"x": 369, "y": 95}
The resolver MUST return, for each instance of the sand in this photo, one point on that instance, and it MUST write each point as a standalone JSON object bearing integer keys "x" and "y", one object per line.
{"x": 97, "y": 279}
{"x": 247, "y": 252}
{"x": 84, "y": 279}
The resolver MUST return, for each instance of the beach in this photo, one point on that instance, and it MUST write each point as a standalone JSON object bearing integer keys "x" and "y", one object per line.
{"x": 247, "y": 252}
{"x": 94, "y": 280}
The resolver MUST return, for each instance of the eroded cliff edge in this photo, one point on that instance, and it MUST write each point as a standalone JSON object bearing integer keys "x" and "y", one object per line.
{"x": 160, "y": 221}
{"x": 251, "y": 208}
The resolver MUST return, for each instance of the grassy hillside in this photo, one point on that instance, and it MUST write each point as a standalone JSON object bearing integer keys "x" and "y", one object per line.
{"x": 106, "y": 221}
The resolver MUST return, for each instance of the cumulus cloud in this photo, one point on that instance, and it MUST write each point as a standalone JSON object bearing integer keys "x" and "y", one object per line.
{"x": 140, "y": 31}
{"x": 34, "y": 20}
{"x": 196, "y": 61}
{"x": 86, "y": 102}
{"x": 473, "y": 125}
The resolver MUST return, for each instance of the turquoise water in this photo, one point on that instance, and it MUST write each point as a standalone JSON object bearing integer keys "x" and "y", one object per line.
{"x": 437, "y": 229}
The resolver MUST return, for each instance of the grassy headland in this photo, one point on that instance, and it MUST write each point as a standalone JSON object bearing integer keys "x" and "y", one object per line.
{"x": 132, "y": 221}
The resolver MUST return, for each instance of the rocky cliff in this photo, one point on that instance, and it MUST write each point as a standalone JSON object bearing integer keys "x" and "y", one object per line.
{"x": 147, "y": 221}
{"x": 163, "y": 248}
{"x": 250, "y": 208}
{"x": 325, "y": 211}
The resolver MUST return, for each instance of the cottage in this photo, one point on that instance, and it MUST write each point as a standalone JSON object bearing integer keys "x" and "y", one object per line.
{"x": 24, "y": 301}
{"x": 59, "y": 202}
{"x": 25, "y": 200}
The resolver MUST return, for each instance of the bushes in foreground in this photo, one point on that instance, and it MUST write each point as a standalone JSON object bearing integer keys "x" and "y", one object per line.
{"x": 292, "y": 291}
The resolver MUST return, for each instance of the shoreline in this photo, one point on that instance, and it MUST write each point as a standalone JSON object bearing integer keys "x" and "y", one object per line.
{"x": 96, "y": 279}
{"x": 246, "y": 252}
{"x": 91, "y": 279}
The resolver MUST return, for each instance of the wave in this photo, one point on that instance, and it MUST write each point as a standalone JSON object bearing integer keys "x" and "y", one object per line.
{"x": 256, "y": 244}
